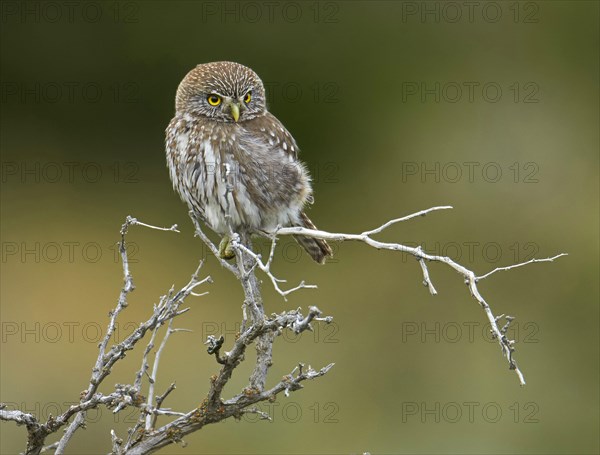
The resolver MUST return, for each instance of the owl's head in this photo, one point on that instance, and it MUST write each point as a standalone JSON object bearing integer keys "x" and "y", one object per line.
{"x": 223, "y": 91}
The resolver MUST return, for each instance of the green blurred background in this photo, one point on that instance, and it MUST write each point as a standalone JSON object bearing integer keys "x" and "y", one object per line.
{"x": 87, "y": 91}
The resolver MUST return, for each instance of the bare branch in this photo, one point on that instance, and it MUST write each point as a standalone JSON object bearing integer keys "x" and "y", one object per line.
{"x": 154, "y": 375}
{"x": 510, "y": 267}
{"x": 426, "y": 280}
{"x": 405, "y": 218}
{"x": 198, "y": 418}
{"x": 261, "y": 414}
{"x": 214, "y": 250}
{"x": 266, "y": 268}
{"x": 135, "y": 222}
{"x": 469, "y": 276}
{"x": 49, "y": 447}
{"x": 21, "y": 418}
{"x": 159, "y": 402}
{"x": 105, "y": 361}
{"x": 256, "y": 329}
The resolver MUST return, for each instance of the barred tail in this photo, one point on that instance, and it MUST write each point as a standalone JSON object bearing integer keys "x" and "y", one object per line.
{"x": 318, "y": 249}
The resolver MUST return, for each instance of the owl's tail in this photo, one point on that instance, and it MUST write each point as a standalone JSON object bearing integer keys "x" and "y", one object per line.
{"x": 318, "y": 249}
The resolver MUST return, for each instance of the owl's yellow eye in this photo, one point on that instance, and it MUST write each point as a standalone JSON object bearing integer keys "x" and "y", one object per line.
{"x": 214, "y": 100}
{"x": 248, "y": 97}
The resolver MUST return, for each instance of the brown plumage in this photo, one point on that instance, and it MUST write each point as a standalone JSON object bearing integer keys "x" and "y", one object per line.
{"x": 232, "y": 161}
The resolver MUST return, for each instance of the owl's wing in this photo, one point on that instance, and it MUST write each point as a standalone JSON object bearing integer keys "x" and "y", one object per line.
{"x": 284, "y": 140}
{"x": 275, "y": 153}
{"x": 276, "y": 135}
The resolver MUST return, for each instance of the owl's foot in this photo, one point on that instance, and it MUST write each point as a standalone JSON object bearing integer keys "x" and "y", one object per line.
{"x": 225, "y": 249}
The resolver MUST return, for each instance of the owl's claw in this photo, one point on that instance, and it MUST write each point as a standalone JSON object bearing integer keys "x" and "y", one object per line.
{"x": 225, "y": 249}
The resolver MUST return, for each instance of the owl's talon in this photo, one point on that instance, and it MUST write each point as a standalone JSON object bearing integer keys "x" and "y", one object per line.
{"x": 225, "y": 249}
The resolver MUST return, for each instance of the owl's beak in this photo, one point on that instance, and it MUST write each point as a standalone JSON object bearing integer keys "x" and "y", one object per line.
{"x": 235, "y": 111}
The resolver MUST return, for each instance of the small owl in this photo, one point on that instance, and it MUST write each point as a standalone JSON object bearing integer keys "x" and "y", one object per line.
{"x": 232, "y": 161}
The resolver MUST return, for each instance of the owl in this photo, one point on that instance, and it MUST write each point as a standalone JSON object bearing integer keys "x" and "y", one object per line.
{"x": 232, "y": 162}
